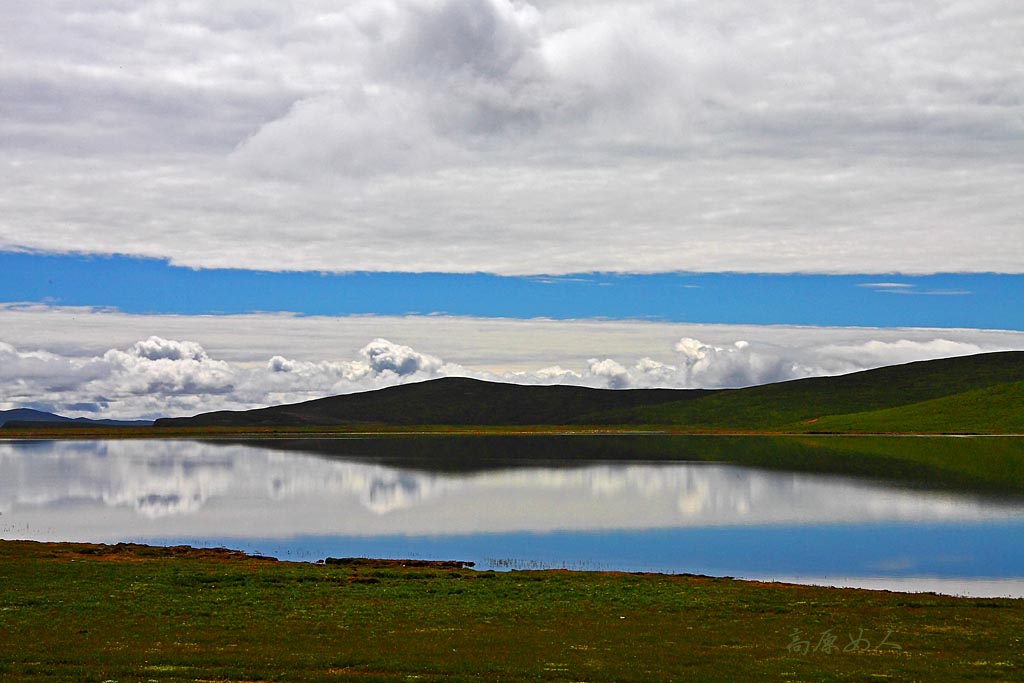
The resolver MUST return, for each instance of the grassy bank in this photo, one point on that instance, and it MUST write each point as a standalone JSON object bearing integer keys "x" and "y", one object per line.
{"x": 96, "y": 613}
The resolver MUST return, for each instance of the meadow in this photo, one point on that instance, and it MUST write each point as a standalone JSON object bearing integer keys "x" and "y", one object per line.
{"x": 76, "y": 612}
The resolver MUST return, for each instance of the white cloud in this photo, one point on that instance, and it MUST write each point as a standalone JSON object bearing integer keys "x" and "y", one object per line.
{"x": 886, "y": 286}
{"x": 157, "y": 366}
{"x": 401, "y": 361}
{"x": 875, "y": 351}
{"x": 61, "y": 359}
{"x": 517, "y": 137}
{"x": 616, "y": 376}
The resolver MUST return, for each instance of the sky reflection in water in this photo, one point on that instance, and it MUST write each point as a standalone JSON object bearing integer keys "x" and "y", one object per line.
{"x": 675, "y": 517}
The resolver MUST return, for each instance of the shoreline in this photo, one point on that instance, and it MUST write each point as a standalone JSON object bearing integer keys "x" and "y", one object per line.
{"x": 224, "y": 553}
{"x": 215, "y": 433}
{"x": 75, "y": 612}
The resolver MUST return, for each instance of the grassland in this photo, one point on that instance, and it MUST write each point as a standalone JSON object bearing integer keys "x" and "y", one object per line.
{"x": 131, "y": 613}
{"x": 991, "y": 410}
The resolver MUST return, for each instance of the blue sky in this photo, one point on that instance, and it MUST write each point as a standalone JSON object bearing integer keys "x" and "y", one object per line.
{"x": 226, "y": 205}
{"x": 148, "y": 286}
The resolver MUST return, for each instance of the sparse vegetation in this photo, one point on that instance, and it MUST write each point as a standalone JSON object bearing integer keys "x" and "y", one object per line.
{"x": 132, "y": 613}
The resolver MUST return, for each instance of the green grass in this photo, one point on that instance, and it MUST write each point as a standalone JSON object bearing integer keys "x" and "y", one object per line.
{"x": 88, "y": 613}
{"x": 996, "y": 409}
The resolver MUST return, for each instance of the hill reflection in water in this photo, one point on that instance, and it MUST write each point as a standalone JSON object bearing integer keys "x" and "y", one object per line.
{"x": 943, "y": 515}
{"x": 113, "y": 490}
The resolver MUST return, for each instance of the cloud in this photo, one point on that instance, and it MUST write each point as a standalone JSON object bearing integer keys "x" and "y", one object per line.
{"x": 903, "y": 288}
{"x": 166, "y": 367}
{"x": 738, "y": 364}
{"x": 29, "y": 376}
{"x": 600, "y": 136}
{"x": 156, "y": 349}
{"x": 158, "y": 376}
{"x": 877, "y": 352}
{"x": 382, "y": 363}
{"x": 616, "y": 376}
{"x": 886, "y": 286}
{"x": 386, "y": 357}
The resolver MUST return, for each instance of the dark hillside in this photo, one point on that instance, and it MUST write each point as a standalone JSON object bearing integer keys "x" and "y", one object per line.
{"x": 30, "y": 415}
{"x": 450, "y": 400}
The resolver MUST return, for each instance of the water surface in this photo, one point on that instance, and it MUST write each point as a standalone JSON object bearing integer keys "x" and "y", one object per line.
{"x": 588, "y": 503}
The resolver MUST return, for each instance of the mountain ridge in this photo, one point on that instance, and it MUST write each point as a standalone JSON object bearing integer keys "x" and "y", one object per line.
{"x": 33, "y": 417}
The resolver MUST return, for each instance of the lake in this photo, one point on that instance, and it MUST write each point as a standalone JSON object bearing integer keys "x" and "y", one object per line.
{"x": 938, "y": 514}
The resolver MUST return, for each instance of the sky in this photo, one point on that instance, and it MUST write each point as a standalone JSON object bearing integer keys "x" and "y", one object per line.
{"x": 227, "y": 205}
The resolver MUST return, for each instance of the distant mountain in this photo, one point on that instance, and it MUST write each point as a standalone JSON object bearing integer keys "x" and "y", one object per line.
{"x": 29, "y": 415}
{"x": 19, "y": 416}
{"x": 966, "y": 394}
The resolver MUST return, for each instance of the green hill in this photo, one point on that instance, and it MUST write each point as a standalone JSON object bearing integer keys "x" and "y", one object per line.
{"x": 448, "y": 401}
{"x": 971, "y": 394}
{"x": 786, "y": 404}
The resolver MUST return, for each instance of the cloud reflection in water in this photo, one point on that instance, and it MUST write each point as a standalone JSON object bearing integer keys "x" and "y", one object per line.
{"x": 111, "y": 490}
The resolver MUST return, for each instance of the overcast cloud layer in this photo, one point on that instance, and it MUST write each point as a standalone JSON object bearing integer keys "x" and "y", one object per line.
{"x": 95, "y": 363}
{"x": 487, "y": 135}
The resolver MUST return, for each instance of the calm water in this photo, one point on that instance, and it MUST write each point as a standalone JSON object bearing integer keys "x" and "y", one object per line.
{"x": 621, "y": 503}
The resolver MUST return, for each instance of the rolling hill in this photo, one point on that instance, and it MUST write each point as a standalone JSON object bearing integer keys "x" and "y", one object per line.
{"x": 450, "y": 401}
{"x": 797, "y": 404}
{"x": 970, "y": 394}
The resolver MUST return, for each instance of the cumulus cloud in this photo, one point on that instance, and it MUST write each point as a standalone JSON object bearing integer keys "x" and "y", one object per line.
{"x": 611, "y": 372}
{"x": 160, "y": 377}
{"x": 156, "y": 349}
{"x": 385, "y": 357}
{"x": 738, "y": 364}
{"x": 600, "y": 136}
{"x": 158, "y": 366}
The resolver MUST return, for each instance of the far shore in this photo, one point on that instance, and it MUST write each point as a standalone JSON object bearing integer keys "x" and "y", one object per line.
{"x": 326, "y": 432}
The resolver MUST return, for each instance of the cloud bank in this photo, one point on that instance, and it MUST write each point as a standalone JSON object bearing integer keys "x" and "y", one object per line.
{"x": 517, "y": 137}
{"x": 156, "y": 376}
